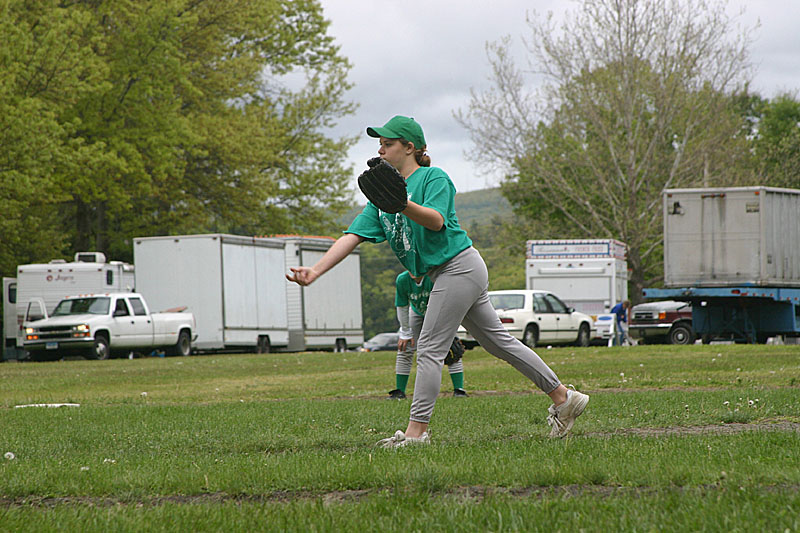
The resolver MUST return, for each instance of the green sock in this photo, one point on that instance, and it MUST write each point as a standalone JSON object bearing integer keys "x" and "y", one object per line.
{"x": 401, "y": 381}
{"x": 458, "y": 380}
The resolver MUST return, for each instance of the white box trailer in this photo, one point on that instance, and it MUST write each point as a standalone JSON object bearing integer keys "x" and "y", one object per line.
{"x": 237, "y": 290}
{"x": 10, "y": 326}
{"x": 40, "y": 286}
{"x": 734, "y": 236}
{"x": 590, "y": 275}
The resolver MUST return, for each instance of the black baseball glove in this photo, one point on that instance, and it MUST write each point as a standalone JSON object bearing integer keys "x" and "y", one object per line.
{"x": 384, "y": 186}
{"x": 456, "y": 352}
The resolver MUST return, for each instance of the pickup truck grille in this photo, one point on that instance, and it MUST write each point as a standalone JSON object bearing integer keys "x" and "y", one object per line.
{"x": 54, "y": 329}
{"x": 43, "y": 336}
{"x": 644, "y": 315}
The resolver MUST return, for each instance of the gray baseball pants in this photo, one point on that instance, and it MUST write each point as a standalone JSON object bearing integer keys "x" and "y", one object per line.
{"x": 460, "y": 296}
{"x": 406, "y": 357}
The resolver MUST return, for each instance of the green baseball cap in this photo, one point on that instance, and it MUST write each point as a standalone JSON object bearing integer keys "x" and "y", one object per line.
{"x": 400, "y": 127}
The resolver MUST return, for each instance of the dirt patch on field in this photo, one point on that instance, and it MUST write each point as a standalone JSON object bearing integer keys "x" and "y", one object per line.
{"x": 470, "y": 494}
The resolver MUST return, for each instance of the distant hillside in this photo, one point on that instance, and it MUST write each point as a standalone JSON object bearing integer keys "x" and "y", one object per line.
{"x": 471, "y": 207}
{"x": 481, "y": 206}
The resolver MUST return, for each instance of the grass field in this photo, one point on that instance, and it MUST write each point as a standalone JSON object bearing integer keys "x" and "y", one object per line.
{"x": 697, "y": 438}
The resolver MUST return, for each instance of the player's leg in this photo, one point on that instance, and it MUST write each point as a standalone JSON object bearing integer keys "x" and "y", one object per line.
{"x": 457, "y": 377}
{"x": 402, "y": 370}
{"x": 456, "y": 285}
{"x": 484, "y": 325}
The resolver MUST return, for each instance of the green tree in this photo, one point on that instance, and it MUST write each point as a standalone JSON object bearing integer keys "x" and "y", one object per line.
{"x": 41, "y": 73}
{"x": 774, "y": 129}
{"x": 636, "y": 99}
{"x": 379, "y": 270}
{"x": 173, "y": 116}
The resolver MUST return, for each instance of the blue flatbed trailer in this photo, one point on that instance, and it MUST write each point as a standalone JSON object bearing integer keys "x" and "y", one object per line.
{"x": 748, "y": 314}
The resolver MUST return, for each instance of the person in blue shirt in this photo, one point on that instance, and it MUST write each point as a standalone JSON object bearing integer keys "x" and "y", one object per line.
{"x": 621, "y": 317}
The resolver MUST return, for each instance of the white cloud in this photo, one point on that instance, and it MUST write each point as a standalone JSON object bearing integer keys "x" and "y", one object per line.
{"x": 422, "y": 57}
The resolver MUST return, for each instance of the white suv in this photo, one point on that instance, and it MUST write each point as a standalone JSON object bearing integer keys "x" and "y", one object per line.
{"x": 537, "y": 318}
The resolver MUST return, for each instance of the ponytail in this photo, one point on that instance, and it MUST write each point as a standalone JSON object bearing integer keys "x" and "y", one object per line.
{"x": 423, "y": 159}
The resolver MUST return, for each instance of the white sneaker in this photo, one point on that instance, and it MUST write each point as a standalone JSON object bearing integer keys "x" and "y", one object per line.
{"x": 399, "y": 439}
{"x": 562, "y": 417}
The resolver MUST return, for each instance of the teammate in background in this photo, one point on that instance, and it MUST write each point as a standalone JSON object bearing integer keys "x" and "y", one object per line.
{"x": 427, "y": 239}
{"x": 411, "y": 299}
{"x": 621, "y": 318}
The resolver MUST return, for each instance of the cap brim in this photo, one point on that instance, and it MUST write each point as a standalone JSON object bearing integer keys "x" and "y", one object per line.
{"x": 382, "y": 132}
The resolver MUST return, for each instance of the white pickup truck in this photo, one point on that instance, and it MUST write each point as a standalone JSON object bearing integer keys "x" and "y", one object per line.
{"x": 99, "y": 326}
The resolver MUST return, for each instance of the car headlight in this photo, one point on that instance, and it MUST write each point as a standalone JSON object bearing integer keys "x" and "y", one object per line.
{"x": 81, "y": 327}
{"x": 29, "y": 331}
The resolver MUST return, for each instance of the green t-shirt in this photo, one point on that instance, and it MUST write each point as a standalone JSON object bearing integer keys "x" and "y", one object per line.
{"x": 418, "y": 248}
{"x": 408, "y": 292}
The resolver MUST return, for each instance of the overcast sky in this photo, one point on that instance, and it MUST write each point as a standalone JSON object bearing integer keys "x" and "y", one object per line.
{"x": 421, "y": 58}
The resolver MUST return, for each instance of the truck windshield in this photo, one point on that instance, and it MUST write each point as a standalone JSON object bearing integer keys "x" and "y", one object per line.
{"x": 82, "y": 306}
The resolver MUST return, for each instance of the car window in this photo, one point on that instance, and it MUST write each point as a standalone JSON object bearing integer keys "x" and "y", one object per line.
{"x": 507, "y": 301}
{"x": 137, "y": 306}
{"x": 121, "y": 309}
{"x": 540, "y": 304}
{"x": 556, "y": 304}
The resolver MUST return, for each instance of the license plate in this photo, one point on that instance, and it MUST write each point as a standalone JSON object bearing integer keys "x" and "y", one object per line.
{"x": 51, "y": 346}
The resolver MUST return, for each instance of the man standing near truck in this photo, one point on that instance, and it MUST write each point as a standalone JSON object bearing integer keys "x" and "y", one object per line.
{"x": 621, "y": 318}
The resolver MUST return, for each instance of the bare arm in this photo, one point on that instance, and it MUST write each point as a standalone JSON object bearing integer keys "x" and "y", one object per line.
{"x": 424, "y": 216}
{"x": 341, "y": 248}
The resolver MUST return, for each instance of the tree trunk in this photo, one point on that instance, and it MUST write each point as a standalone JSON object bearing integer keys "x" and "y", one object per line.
{"x": 83, "y": 225}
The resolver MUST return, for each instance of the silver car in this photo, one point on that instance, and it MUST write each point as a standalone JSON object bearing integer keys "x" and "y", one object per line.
{"x": 537, "y": 318}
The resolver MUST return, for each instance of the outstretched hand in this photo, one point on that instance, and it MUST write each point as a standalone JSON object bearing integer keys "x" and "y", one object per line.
{"x": 302, "y": 275}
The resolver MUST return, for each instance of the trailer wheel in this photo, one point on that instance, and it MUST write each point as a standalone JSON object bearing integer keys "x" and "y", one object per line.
{"x": 263, "y": 345}
{"x": 681, "y": 334}
{"x": 531, "y": 336}
{"x": 583, "y": 336}
{"x": 101, "y": 350}
{"x": 184, "y": 345}
{"x": 341, "y": 345}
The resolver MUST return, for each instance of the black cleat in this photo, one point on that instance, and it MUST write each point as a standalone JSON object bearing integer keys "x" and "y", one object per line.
{"x": 396, "y": 394}
{"x": 460, "y": 393}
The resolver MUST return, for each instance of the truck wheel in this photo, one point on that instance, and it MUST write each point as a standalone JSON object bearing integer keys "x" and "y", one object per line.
{"x": 184, "y": 345}
{"x": 681, "y": 334}
{"x": 531, "y": 336}
{"x": 583, "y": 336}
{"x": 101, "y": 349}
{"x": 341, "y": 345}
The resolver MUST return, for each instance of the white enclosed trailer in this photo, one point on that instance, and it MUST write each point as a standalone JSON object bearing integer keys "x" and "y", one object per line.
{"x": 10, "y": 326}
{"x": 237, "y": 290}
{"x": 40, "y": 286}
{"x": 725, "y": 237}
{"x": 590, "y": 275}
